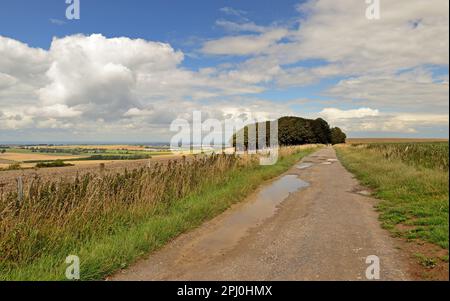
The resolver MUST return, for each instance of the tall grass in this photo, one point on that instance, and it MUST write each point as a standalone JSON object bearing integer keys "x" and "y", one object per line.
{"x": 58, "y": 218}
{"x": 412, "y": 182}
{"x": 428, "y": 155}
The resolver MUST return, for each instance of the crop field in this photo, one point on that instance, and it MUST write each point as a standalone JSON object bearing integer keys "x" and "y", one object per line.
{"x": 25, "y": 157}
{"x": 411, "y": 180}
{"x": 94, "y": 214}
{"x": 393, "y": 140}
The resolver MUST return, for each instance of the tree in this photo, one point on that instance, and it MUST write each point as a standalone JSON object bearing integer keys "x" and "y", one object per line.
{"x": 337, "y": 136}
{"x": 295, "y": 131}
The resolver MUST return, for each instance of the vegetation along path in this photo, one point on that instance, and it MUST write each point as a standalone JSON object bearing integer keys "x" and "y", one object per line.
{"x": 311, "y": 223}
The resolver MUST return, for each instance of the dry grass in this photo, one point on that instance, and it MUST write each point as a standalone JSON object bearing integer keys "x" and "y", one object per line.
{"x": 57, "y": 217}
{"x": 412, "y": 181}
{"x": 392, "y": 140}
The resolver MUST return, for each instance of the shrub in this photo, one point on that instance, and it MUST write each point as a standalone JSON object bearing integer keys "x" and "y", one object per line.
{"x": 56, "y": 163}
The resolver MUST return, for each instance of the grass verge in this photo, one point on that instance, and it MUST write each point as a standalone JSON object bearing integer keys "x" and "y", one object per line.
{"x": 414, "y": 200}
{"x": 104, "y": 255}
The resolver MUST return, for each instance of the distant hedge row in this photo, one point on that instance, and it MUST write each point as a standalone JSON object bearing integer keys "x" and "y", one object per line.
{"x": 295, "y": 131}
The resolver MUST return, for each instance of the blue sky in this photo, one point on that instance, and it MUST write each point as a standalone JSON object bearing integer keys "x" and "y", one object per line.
{"x": 373, "y": 78}
{"x": 174, "y": 21}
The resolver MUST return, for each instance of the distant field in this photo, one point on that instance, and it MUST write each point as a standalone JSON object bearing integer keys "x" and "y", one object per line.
{"x": 393, "y": 140}
{"x": 106, "y": 147}
{"x": 21, "y": 157}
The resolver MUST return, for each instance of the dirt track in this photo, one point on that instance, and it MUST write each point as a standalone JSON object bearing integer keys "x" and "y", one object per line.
{"x": 321, "y": 232}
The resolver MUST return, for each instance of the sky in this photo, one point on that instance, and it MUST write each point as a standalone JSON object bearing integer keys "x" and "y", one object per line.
{"x": 127, "y": 69}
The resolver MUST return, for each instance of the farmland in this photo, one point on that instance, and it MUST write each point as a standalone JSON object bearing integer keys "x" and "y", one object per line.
{"x": 411, "y": 180}
{"x": 24, "y": 157}
{"x": 394, "y": 140}
{"x": 93, "y": 214}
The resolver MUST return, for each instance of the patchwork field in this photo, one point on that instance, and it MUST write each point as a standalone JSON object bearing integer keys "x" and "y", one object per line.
{"x": 23, "y": 157}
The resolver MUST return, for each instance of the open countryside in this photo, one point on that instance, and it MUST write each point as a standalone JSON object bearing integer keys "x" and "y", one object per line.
{"x": 217, "y": 141}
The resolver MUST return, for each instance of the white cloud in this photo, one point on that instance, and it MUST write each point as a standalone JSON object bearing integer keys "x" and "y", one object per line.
{"x": 336, "y": 114}
{"x": 6, "y": 81}
{"x": 54, "y": 111}
{"x": 413, "y": 90}
{"x": 233, "y": 11}
{"x": 245, "y": 44}
{"x": 93, "y": 84}
{"x": 57, "y": 21}
{"x": 240, "y": 27}
{"x": 372, "y": 120}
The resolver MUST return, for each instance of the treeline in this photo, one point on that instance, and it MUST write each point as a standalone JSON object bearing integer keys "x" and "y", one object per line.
{"x": 293, "y": 131}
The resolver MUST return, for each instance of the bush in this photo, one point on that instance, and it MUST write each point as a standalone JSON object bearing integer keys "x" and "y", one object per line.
{"x": 57, "y": 163}
{"x": 14, "y": 166}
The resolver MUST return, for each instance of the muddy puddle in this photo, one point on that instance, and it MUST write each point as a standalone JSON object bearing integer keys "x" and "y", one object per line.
{"x": 305, "y": 165}
{"x": 259, "y": 208}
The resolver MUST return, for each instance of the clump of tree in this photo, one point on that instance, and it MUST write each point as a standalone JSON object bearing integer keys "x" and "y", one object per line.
{"x": 56, "y": 163}
{"x": 291, "y": 131}
{"x": 337, "y": 136}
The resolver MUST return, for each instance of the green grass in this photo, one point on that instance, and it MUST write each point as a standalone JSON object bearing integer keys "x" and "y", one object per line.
{"x": 427, "y": 155}
{"x": 27, "y": 151}
{"x": 104, "y": 255}
{"x": 411, "y": 194}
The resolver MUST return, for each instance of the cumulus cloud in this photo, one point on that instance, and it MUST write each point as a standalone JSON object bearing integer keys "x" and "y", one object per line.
{"x": 333, "y": 114}
{"x": 93, "y": 83}
{"x": 382, "y": 72}
{"x": 372, "y": 120}
{"x": 386, "y": 63}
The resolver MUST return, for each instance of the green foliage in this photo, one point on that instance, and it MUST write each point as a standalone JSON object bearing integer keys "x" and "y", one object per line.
{"x": 291, "y": 131}
{"x": 56, "y": 163}
{"x": 14, "y": 166}
{"x": 114, "y": 157}
{"x": 411, "y": 194}
{"x": 337, "y": 136}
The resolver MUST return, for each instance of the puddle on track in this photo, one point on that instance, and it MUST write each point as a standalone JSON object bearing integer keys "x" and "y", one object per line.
{"x": 305, "y": 165}
{"x": 258, "y": 209}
